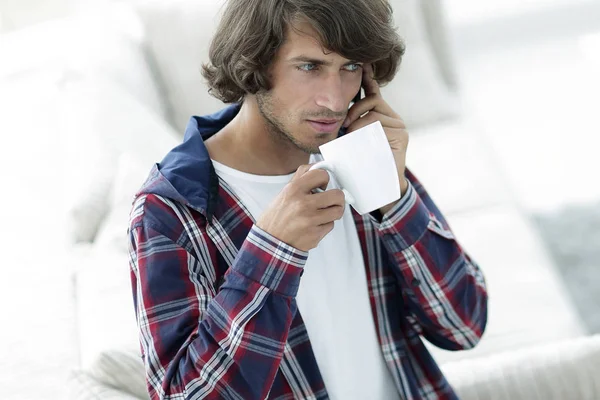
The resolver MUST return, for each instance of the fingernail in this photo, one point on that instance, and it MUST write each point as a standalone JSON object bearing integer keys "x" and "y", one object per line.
{"x": 345, "y": 124}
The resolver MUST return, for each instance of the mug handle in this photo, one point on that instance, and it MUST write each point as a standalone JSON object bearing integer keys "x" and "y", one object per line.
{"x": 329, "y": 167}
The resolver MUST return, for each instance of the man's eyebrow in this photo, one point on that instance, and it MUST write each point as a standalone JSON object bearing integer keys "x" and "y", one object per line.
{"x": 315, "y": 61}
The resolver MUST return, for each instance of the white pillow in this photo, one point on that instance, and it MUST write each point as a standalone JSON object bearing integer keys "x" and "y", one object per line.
{"x": 90, "y": 168}
{"x": 102, "y": 121}
{"x": 131, "y": 174}
{"x": 419, "y": 93}
{"x": 105, "y": 97}
{"x": 558, "y": 371}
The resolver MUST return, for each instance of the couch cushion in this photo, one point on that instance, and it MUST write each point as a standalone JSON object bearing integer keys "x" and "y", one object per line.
{"x": 104, "y": 41}
{"x": 179, "y": 54}
{"x": 121, "y": 369}
{"x": 107, "y": 41}
{"x": 456, "y": 166}
{"x": 555, "y": 371}
{"x": 105, "y": 311}
{"x": 82, "y": 386}
{"x": 419, "y": 93}
{"x": 438, "y": 32}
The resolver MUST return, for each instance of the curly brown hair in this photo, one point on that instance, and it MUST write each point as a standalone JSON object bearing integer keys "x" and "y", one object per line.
{"x": 251, "y": 32}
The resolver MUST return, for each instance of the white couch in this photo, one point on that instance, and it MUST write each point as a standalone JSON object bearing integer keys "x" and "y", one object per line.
{"x": 127, "y": 80}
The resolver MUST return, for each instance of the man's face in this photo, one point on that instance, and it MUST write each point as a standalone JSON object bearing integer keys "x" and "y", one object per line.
{"x": 308, "y": 86}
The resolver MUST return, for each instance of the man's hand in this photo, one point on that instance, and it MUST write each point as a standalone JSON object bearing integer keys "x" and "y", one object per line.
{"x": 374, "y": 108}
{"x": 300, "y": 218}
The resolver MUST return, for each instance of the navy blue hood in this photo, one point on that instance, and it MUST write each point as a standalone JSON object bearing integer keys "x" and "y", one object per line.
{"x": 186, "y": 174}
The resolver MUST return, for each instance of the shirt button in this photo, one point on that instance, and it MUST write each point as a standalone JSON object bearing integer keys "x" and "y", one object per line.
{"x": 415, "y": 282}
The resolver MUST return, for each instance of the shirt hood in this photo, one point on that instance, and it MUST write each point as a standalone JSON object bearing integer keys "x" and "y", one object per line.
{"x": 186, "y": 174}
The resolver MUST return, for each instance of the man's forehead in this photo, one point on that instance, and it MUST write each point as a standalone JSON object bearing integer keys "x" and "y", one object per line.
{"x": 303, "y": 44}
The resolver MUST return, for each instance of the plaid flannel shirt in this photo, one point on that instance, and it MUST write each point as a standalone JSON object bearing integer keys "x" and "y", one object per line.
{"x": 214, "y": 295}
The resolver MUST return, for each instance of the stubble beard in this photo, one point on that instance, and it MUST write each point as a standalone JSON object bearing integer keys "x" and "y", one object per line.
{"x": 276, "y": 127}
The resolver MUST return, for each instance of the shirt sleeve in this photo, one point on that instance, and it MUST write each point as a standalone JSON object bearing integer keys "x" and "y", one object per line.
{"x": 443, "y": 287}
{"x": 200, "y": 341}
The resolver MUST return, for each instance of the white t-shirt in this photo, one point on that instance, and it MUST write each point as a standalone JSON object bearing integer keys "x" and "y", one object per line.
{"x": 333, "y": 297}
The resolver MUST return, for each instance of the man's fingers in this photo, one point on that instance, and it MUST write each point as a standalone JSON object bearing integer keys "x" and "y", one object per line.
{"x": 329, "y": 198}
{"x": 328, "y": 215}
{"x": 373, "y": 105}
{"x": 386, "y": 122}
{"x": 359, "y": 108}
{"x": 310, "y": 180}
{"x": 371, "y": 86}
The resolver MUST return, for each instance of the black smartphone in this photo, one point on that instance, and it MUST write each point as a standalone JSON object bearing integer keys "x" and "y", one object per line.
{"x": 358, "y": 95}
{"x": 354, "y": 100}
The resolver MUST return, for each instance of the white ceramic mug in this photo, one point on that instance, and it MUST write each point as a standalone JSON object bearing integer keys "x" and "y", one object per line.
{"x": 363, "y": 165}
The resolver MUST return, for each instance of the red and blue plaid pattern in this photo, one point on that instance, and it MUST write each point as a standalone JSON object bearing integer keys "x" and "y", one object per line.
{"x": 215, "y": 295}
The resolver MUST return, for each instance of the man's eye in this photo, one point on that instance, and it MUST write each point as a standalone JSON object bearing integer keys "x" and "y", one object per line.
{"x": 307, "y": 67}
{"x": 353, "y": 67}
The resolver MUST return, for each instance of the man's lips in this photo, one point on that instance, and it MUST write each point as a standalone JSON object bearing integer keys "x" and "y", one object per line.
{"x": 326, "y": 121}
{"x": 324, "y": 125}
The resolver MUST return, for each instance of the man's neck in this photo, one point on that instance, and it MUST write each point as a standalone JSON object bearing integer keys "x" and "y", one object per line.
{"x": 246, "y": 144}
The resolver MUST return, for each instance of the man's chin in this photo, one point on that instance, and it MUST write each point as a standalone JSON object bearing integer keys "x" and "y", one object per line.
{"x": 309, "y": 149}
{"x": 318, "y": 141}
{"x": 312, "y": 141}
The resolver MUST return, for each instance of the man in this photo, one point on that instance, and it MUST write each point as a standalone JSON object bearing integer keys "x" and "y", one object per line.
{"x": 248, "y": 284}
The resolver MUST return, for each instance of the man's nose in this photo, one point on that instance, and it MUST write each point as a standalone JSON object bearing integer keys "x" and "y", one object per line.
{"x": 331, "y": 94}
